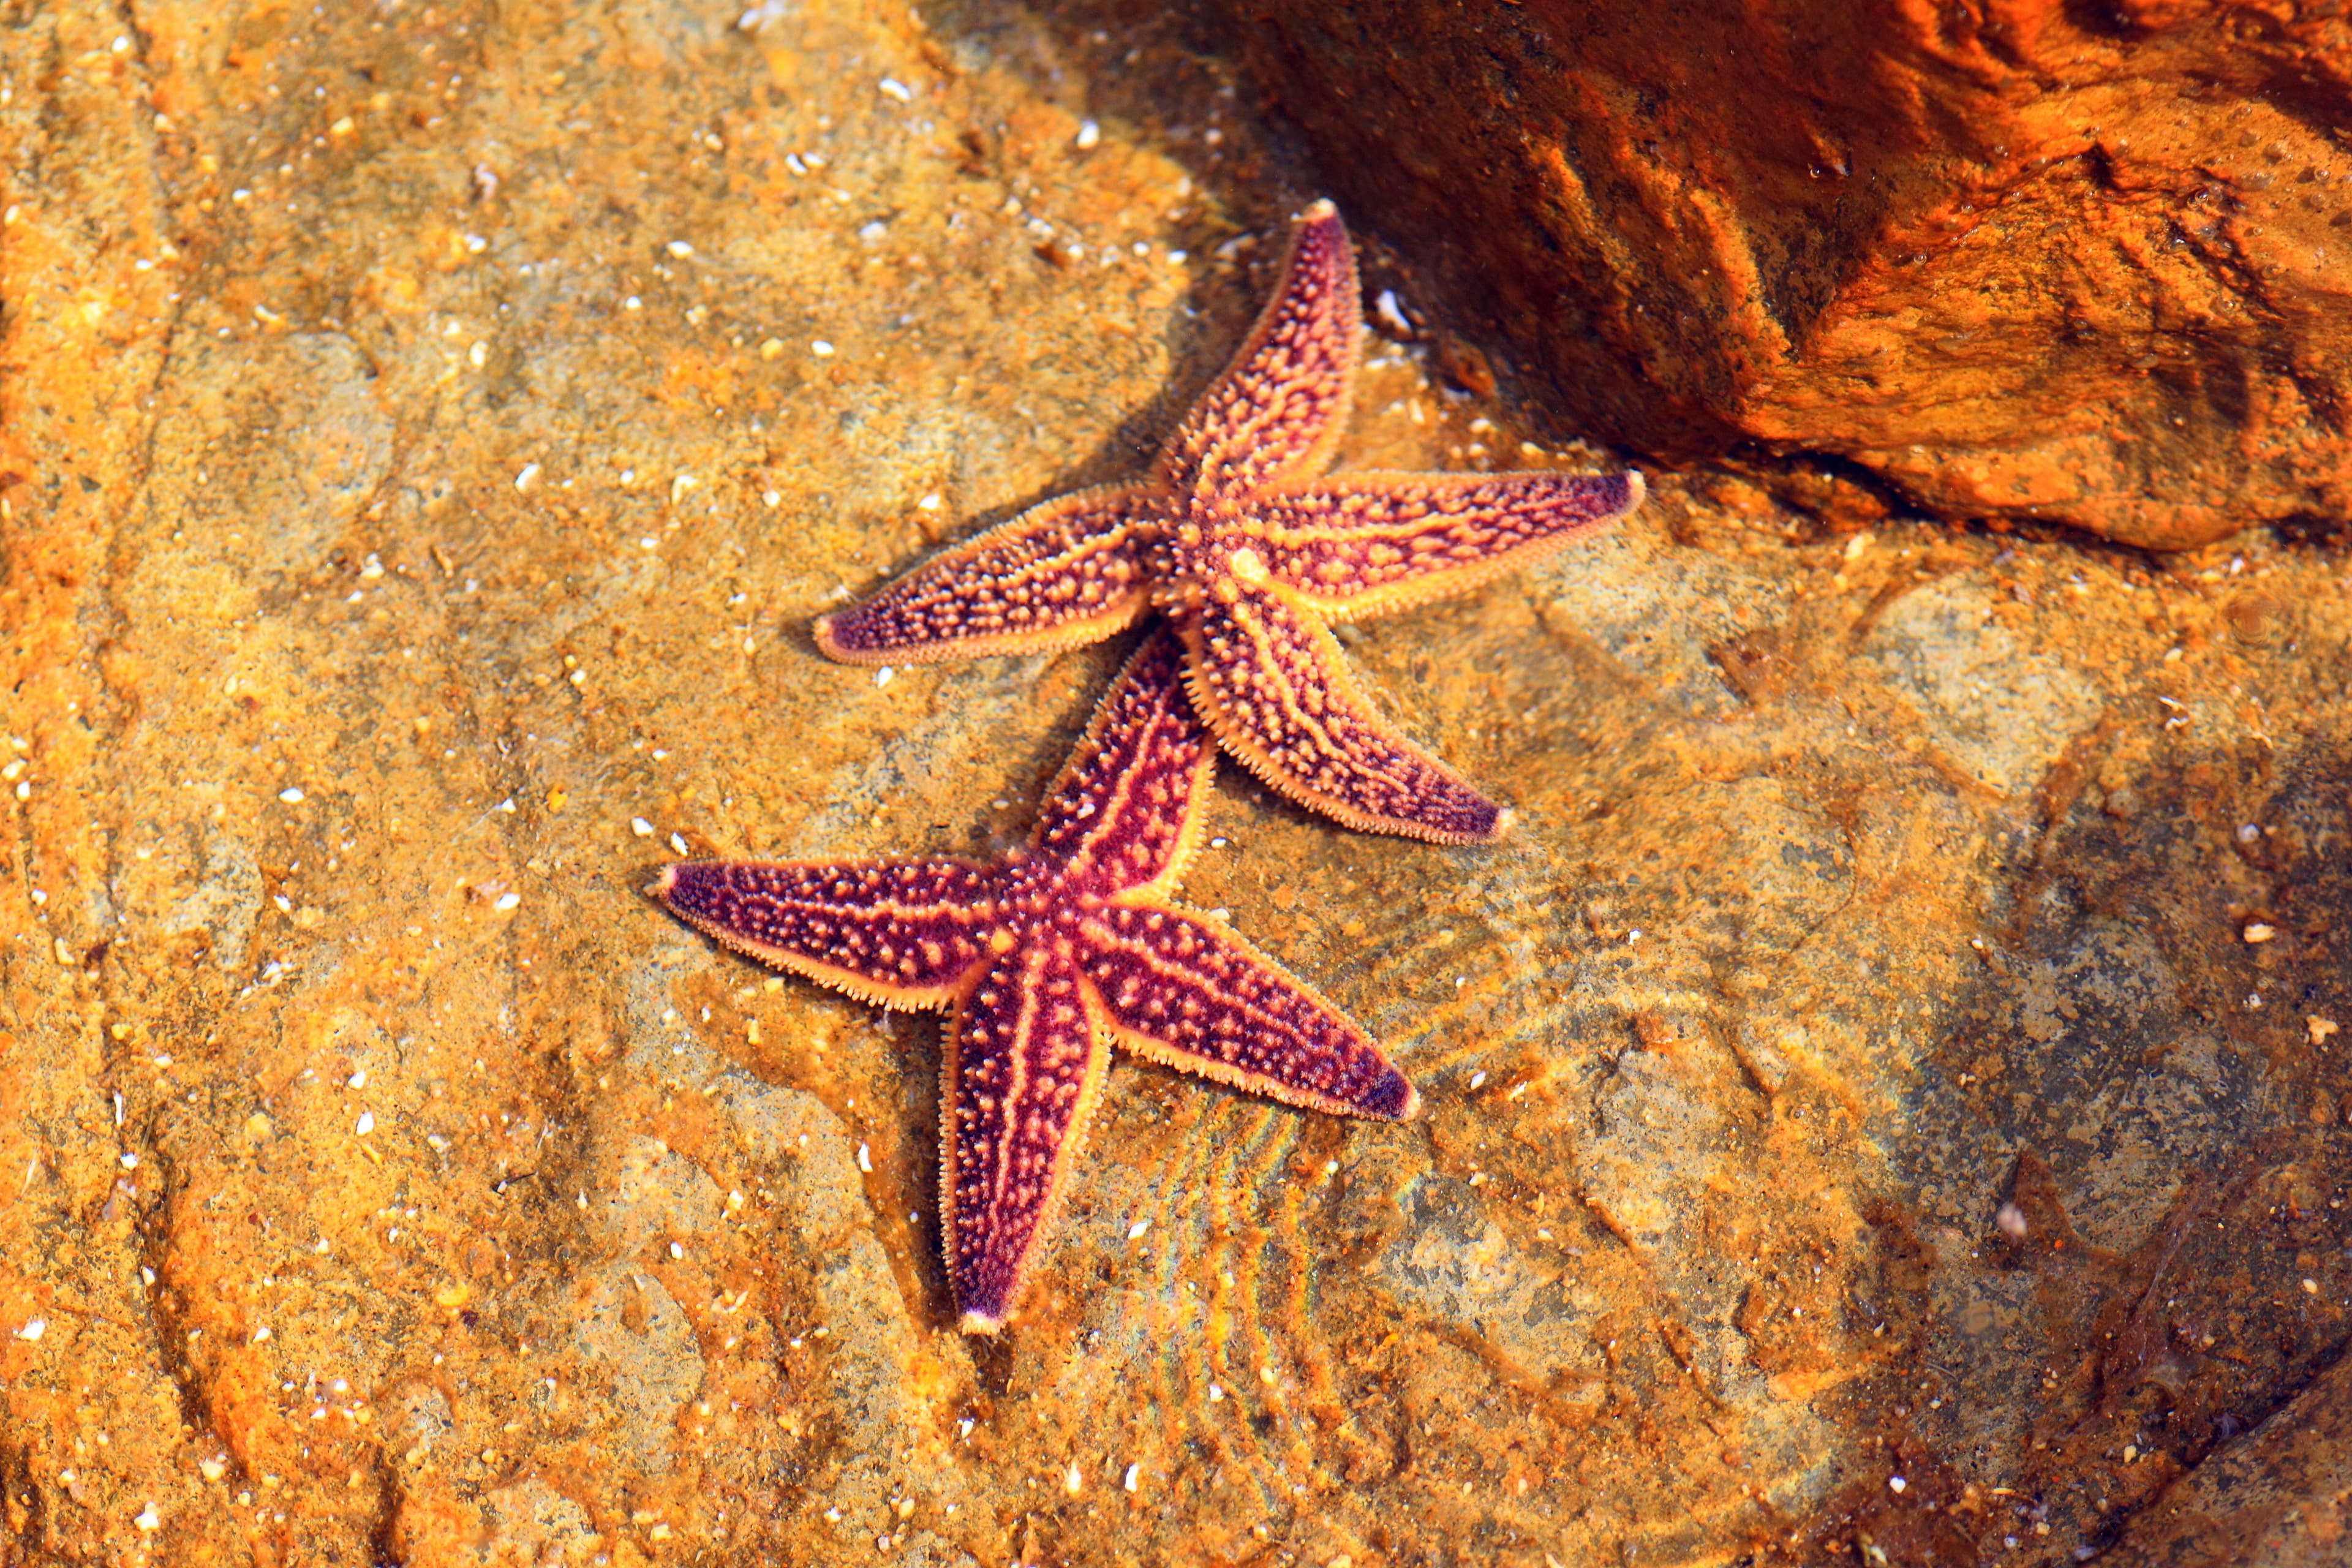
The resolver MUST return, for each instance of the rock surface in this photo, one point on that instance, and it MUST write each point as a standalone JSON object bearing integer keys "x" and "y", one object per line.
{"x": 428, "y": 434}
{"x": 2037, "y": 258}
{"x": 2276, "y": 1498}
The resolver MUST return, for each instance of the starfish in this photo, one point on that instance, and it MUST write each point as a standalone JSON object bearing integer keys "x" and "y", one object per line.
{"x": 1248, "y": 553}
{"x": 1043, "y": 959}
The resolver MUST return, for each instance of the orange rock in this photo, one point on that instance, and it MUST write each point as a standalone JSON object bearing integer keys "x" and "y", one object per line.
{"x": 2085, "y": 262}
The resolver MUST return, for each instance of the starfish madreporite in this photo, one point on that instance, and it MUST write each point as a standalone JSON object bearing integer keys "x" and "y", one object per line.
{"x": 1043, "y": 959}
{"x": 1249, "y": 553}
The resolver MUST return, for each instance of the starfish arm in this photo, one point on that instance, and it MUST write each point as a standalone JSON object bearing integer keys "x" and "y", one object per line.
{"x": 1363, "y": 544}
{"x": 1024, "y": 1066}
{"x": 896, "y": 933}
{"x": 1066, "y": 572}
{"x": 1177, "y": 989}
{"x": 1280, "y": 406}
{"x": 1125, "y": 811}
{"x": 1271, "y": 683}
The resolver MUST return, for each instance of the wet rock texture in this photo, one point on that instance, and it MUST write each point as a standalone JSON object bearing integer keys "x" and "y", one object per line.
{"x": 1884, "y": 1098}
{"x": 2079, "y": 261}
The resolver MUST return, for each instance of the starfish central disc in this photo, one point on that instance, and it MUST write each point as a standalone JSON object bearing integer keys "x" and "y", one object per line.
{"x": 1249, "y": 555}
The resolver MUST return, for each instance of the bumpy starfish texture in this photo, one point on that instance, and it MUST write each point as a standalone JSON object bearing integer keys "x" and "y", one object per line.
{"x": 1249, "y": 553}
{"x": 1043, "y": 959}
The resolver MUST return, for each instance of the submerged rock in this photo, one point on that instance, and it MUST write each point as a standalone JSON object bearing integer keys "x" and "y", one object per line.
{"x": 1895, "y": 1040}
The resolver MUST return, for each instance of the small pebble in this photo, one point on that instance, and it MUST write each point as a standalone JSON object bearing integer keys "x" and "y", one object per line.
{"x": 290, "y": 796}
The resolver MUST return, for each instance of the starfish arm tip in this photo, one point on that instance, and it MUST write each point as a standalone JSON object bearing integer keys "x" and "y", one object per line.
{"x": 833, "y": 636}
{"x": 660, "y": 886}
{"x": 1483, "y": 822}
{"x": 1411, "y": 1106}
{"x": 825, "y": 632}
{"x": 1480, "y": 820}
{"x": 1317, "y": 210}
{"x": 1475, "y": 821}
{"x": 975, "y": 1321}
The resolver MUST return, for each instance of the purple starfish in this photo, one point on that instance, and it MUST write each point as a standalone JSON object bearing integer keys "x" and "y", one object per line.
{"x": 1249, "y": 553}
{"x": 1043, "y": 959}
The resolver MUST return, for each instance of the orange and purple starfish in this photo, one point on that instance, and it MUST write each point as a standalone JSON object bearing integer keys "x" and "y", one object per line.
{"x": 1249, "y": 553}
{"x": 1044, "y": 958}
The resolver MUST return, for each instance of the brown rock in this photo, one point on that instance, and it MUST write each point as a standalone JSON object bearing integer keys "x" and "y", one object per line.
{"x": 2273, "y": 1498}
{"x": 382, "y": 1177}
{"x": 2085, "y": 262}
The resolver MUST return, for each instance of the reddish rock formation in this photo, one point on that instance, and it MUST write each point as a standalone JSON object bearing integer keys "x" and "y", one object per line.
{"x": 2083, "y": 260}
